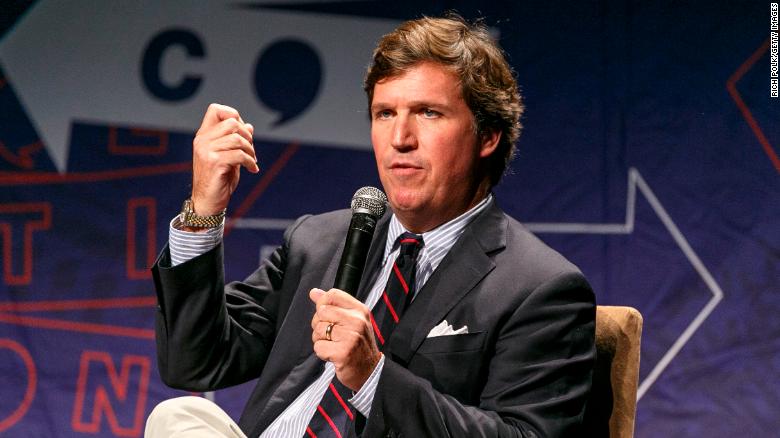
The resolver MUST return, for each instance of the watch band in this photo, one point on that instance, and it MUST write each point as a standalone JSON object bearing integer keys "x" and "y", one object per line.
{"x": 190, "y": 219}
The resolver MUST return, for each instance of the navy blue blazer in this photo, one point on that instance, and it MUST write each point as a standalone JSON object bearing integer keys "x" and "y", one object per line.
{"x": 524, "y": 368}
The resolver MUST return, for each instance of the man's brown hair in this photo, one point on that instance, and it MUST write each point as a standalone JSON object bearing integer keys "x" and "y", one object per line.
{"x": 487, "y": 82}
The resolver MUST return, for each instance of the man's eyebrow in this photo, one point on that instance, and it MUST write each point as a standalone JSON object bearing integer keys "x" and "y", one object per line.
{"x": 412, "y": 104}
{"x": 426, "y": 102}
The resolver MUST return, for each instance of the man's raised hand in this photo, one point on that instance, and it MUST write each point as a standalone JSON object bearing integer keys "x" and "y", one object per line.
{"x": 222, "y": 145}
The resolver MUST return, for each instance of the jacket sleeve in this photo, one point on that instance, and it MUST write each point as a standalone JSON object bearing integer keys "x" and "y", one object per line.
{"x": 537, "y": 383}
{"x": 210, "y": 335}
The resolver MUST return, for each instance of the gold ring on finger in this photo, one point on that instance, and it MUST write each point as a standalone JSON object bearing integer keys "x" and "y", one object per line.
{"x": 329, "y": 330}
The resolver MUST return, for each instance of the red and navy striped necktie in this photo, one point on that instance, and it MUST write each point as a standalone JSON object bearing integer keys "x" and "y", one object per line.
{"x": 333, "y": 414}
{"x": 399, "y": 290}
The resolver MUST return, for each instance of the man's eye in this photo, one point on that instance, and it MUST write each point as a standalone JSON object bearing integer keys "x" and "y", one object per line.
{"x": 383, "y": 114}
{"x": 429, "y": 113}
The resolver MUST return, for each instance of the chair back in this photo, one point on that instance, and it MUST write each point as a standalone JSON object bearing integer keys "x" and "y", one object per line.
{"x": 611, "y": 407}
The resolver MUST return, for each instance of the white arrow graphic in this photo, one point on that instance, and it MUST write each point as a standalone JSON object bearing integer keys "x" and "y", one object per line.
{"x": 635, "y": 181}
{"x": 80, "y": 61}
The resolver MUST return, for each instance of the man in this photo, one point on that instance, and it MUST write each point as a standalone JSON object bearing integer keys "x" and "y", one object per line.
{"x": 497, "y": 335}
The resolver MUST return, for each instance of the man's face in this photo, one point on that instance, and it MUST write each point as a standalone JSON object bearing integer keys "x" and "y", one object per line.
{"x": 426, "y": 148}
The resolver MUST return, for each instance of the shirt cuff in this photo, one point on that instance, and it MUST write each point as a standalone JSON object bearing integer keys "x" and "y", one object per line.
{"x": 186, "y": 245}
{"x": 365, "y": 396}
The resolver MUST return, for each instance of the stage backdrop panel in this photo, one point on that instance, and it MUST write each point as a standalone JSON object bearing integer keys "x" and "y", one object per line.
{"x": 649, "y": 157}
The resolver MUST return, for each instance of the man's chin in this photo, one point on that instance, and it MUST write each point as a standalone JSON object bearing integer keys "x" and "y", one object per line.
{"x": 404, "y": 200}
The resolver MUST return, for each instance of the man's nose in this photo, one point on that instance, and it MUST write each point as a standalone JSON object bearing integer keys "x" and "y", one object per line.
{"x": 404, "y": 135}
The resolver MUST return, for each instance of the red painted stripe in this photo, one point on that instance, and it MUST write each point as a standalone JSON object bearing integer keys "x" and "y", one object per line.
{"x": 401, "y": 278}
{"x": 24, "y": 178}
{"x": 262, "y": 185}
{"x": 311, "y": 432}
{"x": 410, "y": 241}
{"x": 390, "y": 306}
{"x": 79, "y": 327}
{"x": 327, "y": 418}
{"x": 376, "y": 330}
{"x": 62, "y": 305}
{"x": 341, "y": 402}
{"x": 731, "y": 86}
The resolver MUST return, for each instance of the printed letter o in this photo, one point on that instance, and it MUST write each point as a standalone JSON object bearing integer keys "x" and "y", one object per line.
{"x": 32, "y": 380}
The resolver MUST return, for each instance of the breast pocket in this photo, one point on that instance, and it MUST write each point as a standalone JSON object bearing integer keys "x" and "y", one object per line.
{"x": 453, "y": 343}
{"x": 454, "y": 365}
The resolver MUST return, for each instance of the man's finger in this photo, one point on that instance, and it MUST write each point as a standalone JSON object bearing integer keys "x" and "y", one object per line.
{"x": 234, "y": 141}
{"x": 231, "y": 125}
{"x": 315, "y": 294}
{"x": 345, "y": 317}
{"x": 339, "y": 298}
{"x": 323, "y": 350}
{"x": 226, "y": 128}
{"x": 216, "y": 113}
{"x": 320, "y": 331}
{"x": 236, "y": 157}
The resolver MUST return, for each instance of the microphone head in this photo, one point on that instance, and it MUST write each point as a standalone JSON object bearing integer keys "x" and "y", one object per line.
{"x": 369, "y": 200}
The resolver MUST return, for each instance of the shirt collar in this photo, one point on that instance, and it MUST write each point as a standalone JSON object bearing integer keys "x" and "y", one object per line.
{"x": 438, "y": 241}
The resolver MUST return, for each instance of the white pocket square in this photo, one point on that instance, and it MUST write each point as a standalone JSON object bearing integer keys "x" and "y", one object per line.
{"x": 445, "y": 329}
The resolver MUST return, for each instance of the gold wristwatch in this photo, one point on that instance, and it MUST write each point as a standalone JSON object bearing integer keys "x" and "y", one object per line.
{"x": 188, "y": 217}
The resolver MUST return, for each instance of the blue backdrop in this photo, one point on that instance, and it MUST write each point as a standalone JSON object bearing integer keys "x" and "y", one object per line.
{"x": 649, "y": 158}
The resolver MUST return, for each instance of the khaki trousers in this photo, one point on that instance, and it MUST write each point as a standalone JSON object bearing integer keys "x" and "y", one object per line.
{"x": 190, "y": 417}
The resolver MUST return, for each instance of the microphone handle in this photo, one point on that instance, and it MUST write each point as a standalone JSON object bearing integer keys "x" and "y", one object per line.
{"x": 353, "y": 259}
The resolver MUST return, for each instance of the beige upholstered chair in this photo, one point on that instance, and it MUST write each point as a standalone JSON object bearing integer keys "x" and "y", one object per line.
{"x": 612, "y": 405}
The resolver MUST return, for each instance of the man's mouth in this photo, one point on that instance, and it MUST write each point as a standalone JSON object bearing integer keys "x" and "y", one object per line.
{"x": 404, "y": 168}
{"x": 404, "y": 165}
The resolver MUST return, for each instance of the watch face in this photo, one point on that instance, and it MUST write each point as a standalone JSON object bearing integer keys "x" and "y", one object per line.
{"x": 186, "y": 213}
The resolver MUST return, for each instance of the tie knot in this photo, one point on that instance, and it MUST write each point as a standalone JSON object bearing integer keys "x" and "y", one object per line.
{"x": 410, "y": 244}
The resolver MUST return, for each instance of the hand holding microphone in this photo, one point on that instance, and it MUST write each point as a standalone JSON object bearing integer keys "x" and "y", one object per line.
{"x": 368, "y": 205}
{"x": 341, "y": 326}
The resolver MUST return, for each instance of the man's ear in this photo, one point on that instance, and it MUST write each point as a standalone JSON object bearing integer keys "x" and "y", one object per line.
{"x": 489, "y": 142}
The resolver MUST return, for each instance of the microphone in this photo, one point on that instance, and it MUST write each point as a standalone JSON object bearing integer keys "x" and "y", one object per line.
{"x": 368, "y": 205}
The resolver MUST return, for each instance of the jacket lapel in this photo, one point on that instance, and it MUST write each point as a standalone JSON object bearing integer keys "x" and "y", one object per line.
{"x": 460, "y": 271}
